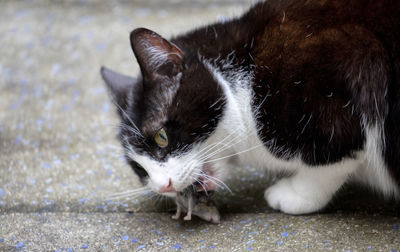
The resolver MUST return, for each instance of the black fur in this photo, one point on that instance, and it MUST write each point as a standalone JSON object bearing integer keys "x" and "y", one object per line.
{"x": 321, "y": 71}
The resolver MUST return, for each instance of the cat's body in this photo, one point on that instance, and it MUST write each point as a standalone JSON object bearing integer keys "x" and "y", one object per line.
{"x": 307, "y": 87}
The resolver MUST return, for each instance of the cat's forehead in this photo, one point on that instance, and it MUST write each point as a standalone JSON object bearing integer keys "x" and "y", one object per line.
{"x": 158, "y": 102}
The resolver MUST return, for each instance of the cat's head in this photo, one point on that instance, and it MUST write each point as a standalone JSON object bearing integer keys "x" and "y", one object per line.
{"x": 167, "y": 115}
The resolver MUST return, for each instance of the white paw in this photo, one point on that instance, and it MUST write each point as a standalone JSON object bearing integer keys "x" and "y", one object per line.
{"x": 282, "y": 196}
{"x": 188, "y": 217}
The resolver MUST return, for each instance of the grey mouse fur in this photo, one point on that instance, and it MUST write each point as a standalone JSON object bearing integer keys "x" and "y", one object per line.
{"x": 196, "y": 203}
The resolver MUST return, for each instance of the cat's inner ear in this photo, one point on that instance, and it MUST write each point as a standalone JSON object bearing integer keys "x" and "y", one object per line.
{"x": 119, "y": 85}
{"x": 157, "y": 57}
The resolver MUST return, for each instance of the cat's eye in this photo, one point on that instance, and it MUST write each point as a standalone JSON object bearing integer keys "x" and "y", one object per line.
{"x": 161, "y": 138}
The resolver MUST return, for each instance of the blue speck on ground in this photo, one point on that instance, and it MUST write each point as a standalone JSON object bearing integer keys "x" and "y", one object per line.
{"x": 1, "y": 239}
{"x": 45, "y": 165}
{"x": 211, "y": 247}
{"x": 280, "y": 242}
{"x": 2, "y": 193}
{"x": 245, "y": 221}
{"x": 249, "y": 248}
{"x": 285, "y": 234}
{"x": 134, "y": 240}
{"x": 250, "y": 242}
{"x": 125, "y": 237}
{"x": 141, "y": 246}
{"x": 70, "y": 250}
{"x": 286, "y": 226}
{"x": 57, "y": 161}
{"x": 19, "y": 245}
{"x": 84, "y": 246}
{"x": 177, "y": 246}
{"x": 395, "y": 226}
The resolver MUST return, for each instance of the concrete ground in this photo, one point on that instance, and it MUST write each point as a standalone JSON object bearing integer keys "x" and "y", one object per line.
{"x": 60, "y": 161}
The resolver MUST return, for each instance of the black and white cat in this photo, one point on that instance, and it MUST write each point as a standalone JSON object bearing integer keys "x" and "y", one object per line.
{"x": 307, "y": 87}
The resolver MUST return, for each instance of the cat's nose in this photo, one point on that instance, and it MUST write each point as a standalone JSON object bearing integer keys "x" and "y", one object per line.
{"x": 167, "y": 188}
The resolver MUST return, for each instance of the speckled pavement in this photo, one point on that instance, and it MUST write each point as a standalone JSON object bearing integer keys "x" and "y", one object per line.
{"x": 60, "y": 161}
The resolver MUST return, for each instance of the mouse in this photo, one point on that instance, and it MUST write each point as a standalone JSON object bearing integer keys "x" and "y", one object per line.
{"x": 198, "y": 203}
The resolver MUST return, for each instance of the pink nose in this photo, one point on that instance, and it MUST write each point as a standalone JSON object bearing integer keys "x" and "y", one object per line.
{"x": 168, "y": 188}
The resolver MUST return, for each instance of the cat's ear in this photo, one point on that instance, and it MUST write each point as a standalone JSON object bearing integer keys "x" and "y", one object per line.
{"x": 118, "y": 84}
{"x": 157, "y": 57}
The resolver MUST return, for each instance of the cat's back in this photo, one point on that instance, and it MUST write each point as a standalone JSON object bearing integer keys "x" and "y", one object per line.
{"x": 380, "y": 17}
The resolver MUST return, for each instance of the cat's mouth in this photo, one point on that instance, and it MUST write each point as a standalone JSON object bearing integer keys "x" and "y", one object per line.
{"x": 205, "y": 180}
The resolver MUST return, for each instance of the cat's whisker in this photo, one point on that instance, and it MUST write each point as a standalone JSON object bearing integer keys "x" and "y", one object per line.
{"x": 201, "y": 158}
{"x": 203, "y": 154}
{"x": 211, "y": 146}
{"x": 162, "y": 201}
{"x": 131, "y": 129}
{"x": 109, "y": 124}
{"x": 129, "y": 119}
{"x": 190, "y": 163}
{"x": 224, "y": 147}
{"x": 221, "y": 142}
{"x": 235, "y": 154}
{"x": 132, "y": 191}
{"x": 216, "y": 180}
{"x": 126, "y": 197}
{"x": 201, "y": 184}
{"x": 221, "y": 147}
{"x": 129, "y": 193}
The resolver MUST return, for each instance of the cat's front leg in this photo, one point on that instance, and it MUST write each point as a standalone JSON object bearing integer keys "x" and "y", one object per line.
{"x": 310, "y": 189}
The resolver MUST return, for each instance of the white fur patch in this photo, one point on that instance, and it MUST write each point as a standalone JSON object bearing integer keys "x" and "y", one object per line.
{"x": 374, "y": 172}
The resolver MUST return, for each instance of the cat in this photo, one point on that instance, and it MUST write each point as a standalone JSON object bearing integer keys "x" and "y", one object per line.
{"x": 311, "y": 88}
